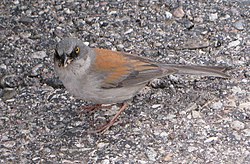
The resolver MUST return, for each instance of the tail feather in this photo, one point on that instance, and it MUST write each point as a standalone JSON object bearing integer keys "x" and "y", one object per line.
{"x": 216, "y": 71}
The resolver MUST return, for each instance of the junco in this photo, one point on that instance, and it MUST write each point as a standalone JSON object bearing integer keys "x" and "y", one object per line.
{"x": 105, "y": 77}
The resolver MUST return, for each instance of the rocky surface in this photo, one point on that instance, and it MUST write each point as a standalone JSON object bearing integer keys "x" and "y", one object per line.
{"x": 176, "y": 119}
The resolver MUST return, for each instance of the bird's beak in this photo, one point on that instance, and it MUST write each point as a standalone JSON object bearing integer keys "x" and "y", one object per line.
{"x": 64, "y": 60}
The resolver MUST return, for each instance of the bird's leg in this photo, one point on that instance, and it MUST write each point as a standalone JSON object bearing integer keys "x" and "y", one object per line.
{"x": 91, "y": 109}
{"x": 112, "y": 121}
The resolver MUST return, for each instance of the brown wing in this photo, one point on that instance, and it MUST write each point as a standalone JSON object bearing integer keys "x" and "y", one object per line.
{"x": 122, "y": 69}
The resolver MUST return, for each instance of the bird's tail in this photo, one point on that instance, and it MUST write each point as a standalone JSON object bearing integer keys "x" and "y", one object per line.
{"x": 216, "y": 71}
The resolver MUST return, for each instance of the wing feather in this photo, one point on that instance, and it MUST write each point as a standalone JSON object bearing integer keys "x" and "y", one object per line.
{"x": 122, "y": 69}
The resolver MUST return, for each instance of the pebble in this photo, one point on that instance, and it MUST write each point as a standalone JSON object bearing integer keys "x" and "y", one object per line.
{"x": 233, "y": 44}
{"x": 211, "y": 139}
{"x": 239, "y": 25}
{"x": 192, "y": 148}
{"x": 8, "y": 93}
{"x": 67, "y": 11}
{"x": 128, "y": 31}
{"x": 196, "y": 114}
{"x": 236, "y": 135}
{"x": 25, "y": 35}
{"x": 151, "y": 154}
{"x": 26, "y": 20}
{"x": 178, "y": 12}
{"x": 16, "y": 2}
{"x": 217, "y": 105}
{"x": 245, "y": 105}
{"x": 237, "y": 125}
{"x": 168, "y": 157}
{"x": 156, "y": 106}
{"x": 168, "y": 15}
{"x": 213, "y": 17}
{"x": 11, "y": 81}
{"x": 3, "y": 66}
{"x": 102, "y": 144}
{"x": 34, "y": 70}
{"x": 163, "y": 134}
{"x": 191, "y": 107}
{"x": 170, "y": 116}
{"x": 9, "y": 144}
{"x": 39, "y": 55}
{"x": 237, "y": 89}
{"x": 120, "y": 46}
{"x": 188, "y": 24}
{"x": 246, "y": 132}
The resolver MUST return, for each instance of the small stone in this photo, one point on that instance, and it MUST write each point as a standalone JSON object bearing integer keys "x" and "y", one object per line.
{"x": 151, "y": 154}
{"x": 58, "y": 7}
{"x": 191, "y": 149}
{"x": 231, "y": 103}
{"x": 239, "y": 25}
{"x": 246, "y": 132}
{"x": 127, "y": 146}
{"x": 128, "y": 31}
{"x": 8, "y": 93}
{"x": 196, "y": 114}
{"x": 188, "y": 24}
{"x": 120, "y": 46}
{"x": 105, "y": 161}
{"x": 112, "y": 12}
{"x": 156, "y": 106}
{"x": 25, "y": 35}
{"x": 236, "y": 89}
{"x": 157, "y": 44}
{"x": 233, "y": 44}
{"x": 211, "y": 139}
{"x": 16, "y": 2}
{"x": 80, "y": 145}
{"x": 26, "y": 20}
{"x": 67, "y": 11}
{"x": 168, "y": 157}
{"x": 39, "y": 55}
{"x": 225, "y": 17}
{"x": 3, "y": 66}
{"x": 236, "y": 135}
{"x": 34, "y": 70}
{"x": 217, "y": 105}
{"x": 237, "y": 125}
{"x": 170, "y": 116}
{"x": 213, "y": 17}
{"x": 198, "y": 19}
{"x": 168, "y": 15}
{"x": 9, "y": 144}
{"x": 86, "y": 43}
{"x": 191, "y": 107}
{"x": 11, "y": 81}
{"x": 178, "y": 12}
{"x": 102, "y": 144}
{"x": 163, "y": 134}
{"x": 244, "y": 80}
{"x": 245, "y": 105}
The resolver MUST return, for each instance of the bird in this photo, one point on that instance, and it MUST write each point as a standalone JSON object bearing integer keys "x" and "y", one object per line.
{"x": 103, "y": 76}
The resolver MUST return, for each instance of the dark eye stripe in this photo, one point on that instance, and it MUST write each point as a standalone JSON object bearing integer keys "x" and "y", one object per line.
{"x": 56, "y": 54}
{"x": 73, "y": 54}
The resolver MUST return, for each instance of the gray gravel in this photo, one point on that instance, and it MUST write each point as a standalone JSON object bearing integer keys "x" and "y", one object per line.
{"x": 176, "y": 119}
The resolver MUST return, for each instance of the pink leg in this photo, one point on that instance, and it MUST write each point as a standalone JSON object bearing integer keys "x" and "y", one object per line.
{"x": 112, "y": 121}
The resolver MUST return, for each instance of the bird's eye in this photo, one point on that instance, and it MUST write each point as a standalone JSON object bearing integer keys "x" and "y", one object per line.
{"x": 77, "y": 50}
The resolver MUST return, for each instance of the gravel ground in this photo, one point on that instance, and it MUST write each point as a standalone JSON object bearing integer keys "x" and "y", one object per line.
{"x": 176, "y": 119}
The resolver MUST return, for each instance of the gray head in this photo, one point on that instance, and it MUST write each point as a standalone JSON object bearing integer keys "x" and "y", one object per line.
{"x": 68, "y": 50}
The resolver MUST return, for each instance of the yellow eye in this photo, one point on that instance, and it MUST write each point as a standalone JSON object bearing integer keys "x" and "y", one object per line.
{"x": 77, "y": 50}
